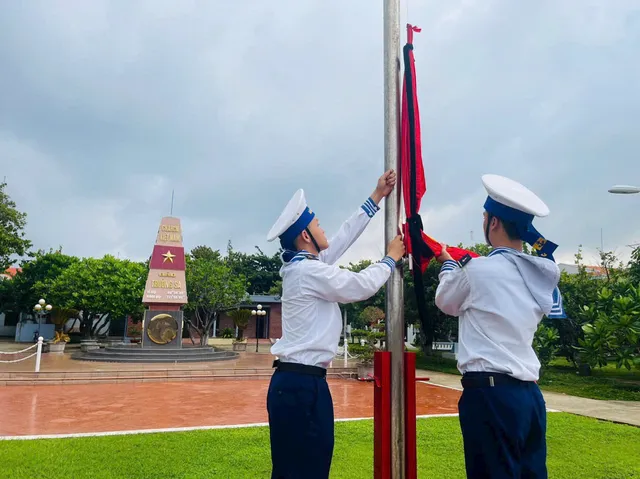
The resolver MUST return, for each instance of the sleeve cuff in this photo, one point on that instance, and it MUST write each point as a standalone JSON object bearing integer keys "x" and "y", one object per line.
{"x": 389, "y": 261}
{"x": 370, "y": 207}
{"x": 449, "y": 265}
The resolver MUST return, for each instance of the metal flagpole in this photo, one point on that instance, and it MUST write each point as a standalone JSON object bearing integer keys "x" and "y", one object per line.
{"x": 394, "y": 298}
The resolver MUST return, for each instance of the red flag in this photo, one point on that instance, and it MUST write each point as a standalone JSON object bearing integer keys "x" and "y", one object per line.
{"x": 420, "y": 246}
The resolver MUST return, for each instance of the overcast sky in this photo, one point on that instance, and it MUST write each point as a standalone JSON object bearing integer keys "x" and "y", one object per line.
{"x": 106, "y": 106}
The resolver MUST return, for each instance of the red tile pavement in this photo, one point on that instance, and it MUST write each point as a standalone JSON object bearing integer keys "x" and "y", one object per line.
{"x": 40, "y": 410}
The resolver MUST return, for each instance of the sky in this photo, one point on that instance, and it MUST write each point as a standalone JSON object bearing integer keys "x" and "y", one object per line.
{"x": 108, "y": 106}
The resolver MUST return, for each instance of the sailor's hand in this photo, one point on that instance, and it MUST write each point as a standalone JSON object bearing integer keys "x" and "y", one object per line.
{"x": 385, "y": 186}
{"x": 396, "y": 248}
{"x": 444, "y": 256}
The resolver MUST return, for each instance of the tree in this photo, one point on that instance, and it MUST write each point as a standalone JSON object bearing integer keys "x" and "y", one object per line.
{"x": 212, "y": 287}
{"x": 20, "y": 294}
{"x": 634, "y": 266}
{"x": 261, "y": 271}
{"x": 371, "y": 315}
{"x": 205, "y": 252}
{"x": 354, "y": 310}
{"x": 612, "y": 329}
{"x": 12, "y": 224}
{"x": 107, "y": 286}
{"x": 545, "y": 344}
{"x": 59, "y": 317}
{"x": 240, "y": 319}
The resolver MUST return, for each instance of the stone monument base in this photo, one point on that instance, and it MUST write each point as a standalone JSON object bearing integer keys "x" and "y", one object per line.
{"x": 137, "y": 354}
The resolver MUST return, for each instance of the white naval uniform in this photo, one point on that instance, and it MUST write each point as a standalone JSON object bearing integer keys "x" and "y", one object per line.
{"x": 312, "y": 289}
{"x": 500, "y": 300}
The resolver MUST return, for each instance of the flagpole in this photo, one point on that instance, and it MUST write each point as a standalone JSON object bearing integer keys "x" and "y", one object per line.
{"x": 394, "y": 299}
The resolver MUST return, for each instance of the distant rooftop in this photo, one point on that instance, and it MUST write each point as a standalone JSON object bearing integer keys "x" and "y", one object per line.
{"x": 573, "y": 269}
{"x": 10, "y": 273}
{"x": 264, "y": 298}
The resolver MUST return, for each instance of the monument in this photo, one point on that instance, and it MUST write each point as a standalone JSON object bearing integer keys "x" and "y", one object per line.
{"x": 166, "y": 290}
{"x": 165, "y": 294}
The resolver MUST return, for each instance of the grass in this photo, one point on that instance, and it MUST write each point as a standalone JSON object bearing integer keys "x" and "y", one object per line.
{"x": 604, "y": 383}
{"x": 578, "y": 448}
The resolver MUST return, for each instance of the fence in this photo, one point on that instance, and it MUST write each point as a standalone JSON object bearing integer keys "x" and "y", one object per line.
{"x": 37, "y": 354}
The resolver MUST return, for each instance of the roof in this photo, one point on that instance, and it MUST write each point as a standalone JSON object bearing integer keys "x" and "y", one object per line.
{"x": 10, "y": 272}
{"x": 597, "y": 271}
{"x": 264, "y": 298}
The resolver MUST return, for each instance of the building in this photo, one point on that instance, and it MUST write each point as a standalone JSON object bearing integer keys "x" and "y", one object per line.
{"x": 267, "y": 327}
{"x": 9, "y": 320}
{"x": 594, "y": 271}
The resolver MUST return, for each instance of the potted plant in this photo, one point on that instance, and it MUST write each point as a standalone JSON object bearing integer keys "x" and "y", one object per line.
{"x": 369, "y": 345}
{"x": 134, "y": 329}
{"x": 365, "y": 360}
{"x": 240, "y": 319}
{"x": 59, "y": 317}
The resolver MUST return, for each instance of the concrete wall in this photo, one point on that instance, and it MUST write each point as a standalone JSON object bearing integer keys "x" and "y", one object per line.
{"x": 8, "y": 331}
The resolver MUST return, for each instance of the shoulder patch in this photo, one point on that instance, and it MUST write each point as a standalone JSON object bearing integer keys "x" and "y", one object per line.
{"x": 465, "y": 260}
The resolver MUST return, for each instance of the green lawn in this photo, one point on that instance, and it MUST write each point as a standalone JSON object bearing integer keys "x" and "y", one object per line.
{"x": 604, "y": 383}
{"x": 578, "y": 448}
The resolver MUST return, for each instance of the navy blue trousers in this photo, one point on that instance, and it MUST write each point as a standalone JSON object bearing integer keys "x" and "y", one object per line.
{"x": 300, "y": 425}
{"x": 504, "y": 431}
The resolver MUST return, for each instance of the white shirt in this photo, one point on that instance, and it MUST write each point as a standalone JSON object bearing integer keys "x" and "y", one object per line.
{"x": 313, "y": 286}
{"x": 500, "y": 300}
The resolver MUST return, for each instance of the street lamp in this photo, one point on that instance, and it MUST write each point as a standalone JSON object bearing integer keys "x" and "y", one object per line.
{"x": 39, "y": 314}
{"x": 259, "y": 312}
{"x": 624, "y": 190}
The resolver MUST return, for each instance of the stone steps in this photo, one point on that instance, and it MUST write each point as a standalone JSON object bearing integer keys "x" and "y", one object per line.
{"x": 150, "y": 375}
{"x": 136, "y": 354}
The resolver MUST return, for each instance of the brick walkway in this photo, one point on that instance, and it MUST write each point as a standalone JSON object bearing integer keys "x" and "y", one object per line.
{"x": 47, "y": 410}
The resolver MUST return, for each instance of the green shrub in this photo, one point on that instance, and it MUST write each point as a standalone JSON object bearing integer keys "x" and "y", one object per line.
{"x": 227, "y": 333}
{"x": 546, "y": 345}
{"x": 612, "y": 329}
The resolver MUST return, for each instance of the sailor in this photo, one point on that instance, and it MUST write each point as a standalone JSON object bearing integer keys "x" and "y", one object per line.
{"x": 299, "y": 403}
{"x": 500, "y": 300}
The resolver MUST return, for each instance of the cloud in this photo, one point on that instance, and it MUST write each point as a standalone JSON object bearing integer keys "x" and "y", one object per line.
{"x": 107, "y": 108}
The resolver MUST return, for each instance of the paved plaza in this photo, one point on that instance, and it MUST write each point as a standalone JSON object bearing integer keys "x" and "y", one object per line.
{"x": 124, "y": 398}
{"x": 100, "y": 408}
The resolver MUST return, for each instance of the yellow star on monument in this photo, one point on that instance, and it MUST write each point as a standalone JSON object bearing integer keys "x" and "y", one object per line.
{"x": 168, "y": 256}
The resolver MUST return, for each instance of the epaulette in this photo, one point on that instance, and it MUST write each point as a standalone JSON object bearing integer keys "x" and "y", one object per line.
{"x": 464, "y": 260}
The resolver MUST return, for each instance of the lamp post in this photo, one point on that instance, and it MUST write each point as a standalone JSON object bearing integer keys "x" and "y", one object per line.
{"x": 624, "y": 190}
{"x": 40, "y": 305}
{"x": 256, "y": 313}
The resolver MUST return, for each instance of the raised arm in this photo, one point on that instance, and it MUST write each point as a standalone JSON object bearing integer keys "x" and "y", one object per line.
{"x": 351, "y": 229}
{"x": 349, "y": 232}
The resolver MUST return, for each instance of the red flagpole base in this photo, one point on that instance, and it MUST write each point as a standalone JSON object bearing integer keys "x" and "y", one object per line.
{"x": 382, "y": 415}
{"x": 410, "y": 444}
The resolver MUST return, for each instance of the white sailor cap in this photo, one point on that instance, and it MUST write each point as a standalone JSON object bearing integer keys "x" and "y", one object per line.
{"x": 293, "y": 220}
{"x": 514, "y": 195}
{"x": 510, "y": 201}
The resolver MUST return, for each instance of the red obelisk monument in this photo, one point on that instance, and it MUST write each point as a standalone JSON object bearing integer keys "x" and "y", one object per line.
{"x": 166, "y": 289}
